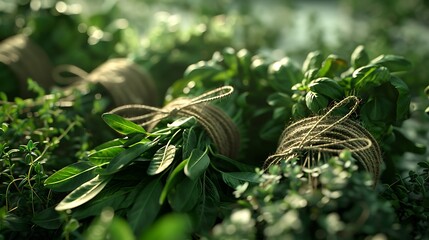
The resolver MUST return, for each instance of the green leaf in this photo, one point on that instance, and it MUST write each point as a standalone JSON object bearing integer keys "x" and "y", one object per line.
{"x": 234, "y": 179}
{"x": 122, "y": 125}
{"x": 112, "y": 143}
{"x": 313, "y": 60}
{"x": 284, "y": 75}
{"x": 48, "y": 219}
{"x": 162, "y": 159}
{"x": 171, "y": 180}
{"x": 146, "y": 207}
{"x": 169, "y": 227}
{"x": 127, "y": 156}
{"x": 198, "y": 163}
{"x": 182, "y": 122}
{"x": 112, "y": 196}
{"x": 404, "y": 99}
{"x": 71, "y": 177}
{"x": 392, "y": 62}
{"x": 189, "y": 142}
{"x": 332, "y": 66}
{"x": 83, "y": 194}
{"x": 104, "y": 155}
{"x": 108, "y": 226}
{"x": 359, "y": 57}
{"x": 120, "y": 230}
{"x": 370, "y": 76}
{"x": 185, "y": 195}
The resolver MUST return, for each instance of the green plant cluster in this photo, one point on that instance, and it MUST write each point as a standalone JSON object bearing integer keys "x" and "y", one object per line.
{"x": 283, "y": 205}
{"x": 73, "y": 169}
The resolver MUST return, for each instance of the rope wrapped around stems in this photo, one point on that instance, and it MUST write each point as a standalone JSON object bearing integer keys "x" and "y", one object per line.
{"x": 320, "y": 137}
{"x": 219, "y": 126}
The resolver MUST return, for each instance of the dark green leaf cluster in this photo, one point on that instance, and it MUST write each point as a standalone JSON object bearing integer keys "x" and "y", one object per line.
{"x": 144, "y": 175}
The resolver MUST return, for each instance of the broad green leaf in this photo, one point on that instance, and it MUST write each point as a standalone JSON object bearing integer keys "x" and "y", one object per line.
{"x": 83, "y": 194}
{"x": 171, "y": 180}
{"x": 185, "y": 195}
{"x": 392, "y": 62}
{"x": 169, "y": 227}
{"x": 189, "y": 142}
{"x": 71, "y": 177}
{"x": 359, "y": 57}
{"x": 48, "y": 219}
{"x": 204, "y": 215}
{"x": 198, "y": 163}
{"x": 104, "y": 155}
{"x": 370, "y": 76}
{"x": 108, "y": 226}
{"x": 404, "y": 99}
{"x": 332, "y": 66}
{"x": 127, "y": 156}
{"x": 284, "y": 74}
{"x": 234, "y": 179}
{"x": 146, "y": 207}
{"x": 122, "y": 125}
{"x": 162, "y": 159}
{"x": 313, "y": 60}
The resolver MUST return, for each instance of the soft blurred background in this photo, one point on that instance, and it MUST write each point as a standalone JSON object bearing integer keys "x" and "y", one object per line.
{"x": 166, "y": 36}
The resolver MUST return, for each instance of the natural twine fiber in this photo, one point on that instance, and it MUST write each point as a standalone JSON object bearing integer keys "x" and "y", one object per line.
{"x": 125, "y": 81}
{"x": 27, "y": 60}
{"x": 219, "y": 126}
{"x": 317, "y": 138}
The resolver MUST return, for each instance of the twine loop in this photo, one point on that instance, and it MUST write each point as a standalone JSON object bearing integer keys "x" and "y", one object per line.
{"x": 125, "y": 81}
{"x": 318, "y": 138}
{"x": 217, "y": 123}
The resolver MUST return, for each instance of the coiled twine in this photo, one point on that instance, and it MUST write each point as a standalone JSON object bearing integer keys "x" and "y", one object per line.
{"x": 26, "y": 60}
{"x": 326, "y": 135}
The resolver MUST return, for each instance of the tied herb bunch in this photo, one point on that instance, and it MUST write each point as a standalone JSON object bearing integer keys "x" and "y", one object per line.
{"x": 182, "y": 162}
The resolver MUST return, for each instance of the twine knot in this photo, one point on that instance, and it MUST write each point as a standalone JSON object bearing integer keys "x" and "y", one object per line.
{"x": 219, "y": 126}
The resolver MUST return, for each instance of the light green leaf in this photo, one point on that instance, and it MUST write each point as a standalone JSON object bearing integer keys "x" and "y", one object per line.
{"x": 71, "y": 177}
{"x": 146, "y": 207}
{"x": 162, "y": 159}
{"x": 182, "y": 121}
{"x": 171, "y": 180}
{"x": 127, "y": 156}
{"x": 234, "y": 179}
{"x": 122, "y": 125}
{"x": 83, "y": 194}
{"x": 198, "y": 163}
{"x": 189, "y": 142}
{"x": 169, "y": 227}
{"x": 104, "y": 155}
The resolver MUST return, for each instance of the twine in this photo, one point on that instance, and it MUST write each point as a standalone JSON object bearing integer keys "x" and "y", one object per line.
{"x": 27, "y": 60}
{"x": 219, "y": 126}
{"x": 320, "y": 137}
{"x": 124, "y": 81}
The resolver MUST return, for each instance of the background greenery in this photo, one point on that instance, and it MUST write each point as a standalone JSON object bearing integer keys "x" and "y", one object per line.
{"x": 238, "y": 43}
